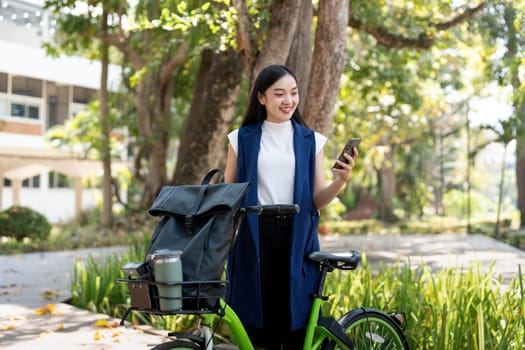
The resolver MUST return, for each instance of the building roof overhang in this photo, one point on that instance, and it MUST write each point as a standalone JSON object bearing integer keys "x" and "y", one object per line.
{"x": 23, "y": 162}
{"x": 33, "y": 62}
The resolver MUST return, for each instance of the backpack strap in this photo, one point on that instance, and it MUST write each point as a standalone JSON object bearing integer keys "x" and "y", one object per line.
{"x": 206, "y": 179}
{"x": 188, "y": 220}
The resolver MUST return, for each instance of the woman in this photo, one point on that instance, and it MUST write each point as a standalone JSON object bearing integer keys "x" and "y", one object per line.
{"x": 271, "y": 279}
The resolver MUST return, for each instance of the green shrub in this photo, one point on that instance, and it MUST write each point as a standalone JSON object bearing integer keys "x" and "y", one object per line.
{"x": 20, "y": 222}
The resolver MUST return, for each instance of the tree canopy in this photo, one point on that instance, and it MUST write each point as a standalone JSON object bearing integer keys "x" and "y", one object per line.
{"x": 398, "y": 74}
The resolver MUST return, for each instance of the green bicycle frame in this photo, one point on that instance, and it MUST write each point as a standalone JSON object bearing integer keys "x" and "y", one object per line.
{"x": 238, "y": 332}
{"x": 313, "y": 328}
{"x": 241, "y": 338}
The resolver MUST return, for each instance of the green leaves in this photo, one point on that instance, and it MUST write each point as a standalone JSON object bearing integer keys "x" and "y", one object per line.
{"x": 461, "y": 307}
{"x": 83, "y": 131}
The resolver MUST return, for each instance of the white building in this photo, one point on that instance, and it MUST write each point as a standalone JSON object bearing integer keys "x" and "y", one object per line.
{"x": 36, "y": 93}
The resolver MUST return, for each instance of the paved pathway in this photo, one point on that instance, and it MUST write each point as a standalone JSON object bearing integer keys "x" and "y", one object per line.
{"x": 36, "y": 278}
{"x": 435, "y": 251}
{"x": 31, "y": 281}
{"x": 42, "y": 281}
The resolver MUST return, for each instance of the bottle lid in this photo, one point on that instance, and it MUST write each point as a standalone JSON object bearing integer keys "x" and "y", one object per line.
{"x": 165, "y": 254}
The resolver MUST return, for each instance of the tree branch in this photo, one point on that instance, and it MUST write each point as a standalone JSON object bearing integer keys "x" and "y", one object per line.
{"x": 423, "y": 41}
{"x": 177, "y": 60}
{"x": 460, "y": 18}
{"x": 385, "y": 38}
{"x": 122, "y": 43}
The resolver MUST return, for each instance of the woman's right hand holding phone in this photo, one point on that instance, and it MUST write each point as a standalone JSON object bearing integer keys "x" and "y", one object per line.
{"x": 346, "y": 160}
{"x": 345, "y": 168}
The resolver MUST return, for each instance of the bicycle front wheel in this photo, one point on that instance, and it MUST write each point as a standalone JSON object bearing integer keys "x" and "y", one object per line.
{"x": 373, "y": 329}
{"x": 178, "y": 344}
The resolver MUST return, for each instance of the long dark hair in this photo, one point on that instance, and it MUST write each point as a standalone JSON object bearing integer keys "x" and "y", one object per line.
{"x": 256, "y": 112}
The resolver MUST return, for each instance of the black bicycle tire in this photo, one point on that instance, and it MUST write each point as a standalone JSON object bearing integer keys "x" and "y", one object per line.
{"x": 177, "y": 344}
{"x": 375, "y": 321}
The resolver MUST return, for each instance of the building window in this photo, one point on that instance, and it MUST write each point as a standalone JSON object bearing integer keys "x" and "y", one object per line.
{"x": 58, "y": 180}
{"x": 24, "y": 110}
{"x": 18, "y": 110}
{"x": 3, "y": 82}
{"x": 7, "y": 182}
{"x": 26, "y": 86}
{"x": 32, "y": 182}
{"x": 32, "y": 112}
{"x": 83, "y": 95}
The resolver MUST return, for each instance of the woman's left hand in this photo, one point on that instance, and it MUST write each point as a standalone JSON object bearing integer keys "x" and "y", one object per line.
{"x": 346, "y": 168}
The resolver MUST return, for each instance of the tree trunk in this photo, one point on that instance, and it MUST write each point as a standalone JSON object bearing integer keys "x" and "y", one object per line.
{"x": 203, "y": 140}
{"x": 154, "y": 94}
{"x": 153, "y": 118}
{"x": 279, "y": 36}
{"x": 520, "y": 162}
{"x": 107, "y": 197}
{"x": 500, "y": 193}
{"x": 300, "y": 57}
{"x": 387, "y": 184}
{"x": 441, "y": 188}
{"x": 329, "y": 59}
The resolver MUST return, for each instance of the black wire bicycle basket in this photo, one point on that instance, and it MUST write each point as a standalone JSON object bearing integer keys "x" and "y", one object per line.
{"x": 144, "y": 296}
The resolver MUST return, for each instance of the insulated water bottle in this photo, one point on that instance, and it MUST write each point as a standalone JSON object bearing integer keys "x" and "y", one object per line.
{"x": 167, "y": 267}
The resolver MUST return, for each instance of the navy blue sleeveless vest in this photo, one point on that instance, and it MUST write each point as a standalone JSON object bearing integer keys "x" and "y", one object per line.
{"x": 244, "y": 294}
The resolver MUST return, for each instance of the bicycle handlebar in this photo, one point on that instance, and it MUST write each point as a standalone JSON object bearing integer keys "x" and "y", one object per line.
{"x": 273, "y": 208}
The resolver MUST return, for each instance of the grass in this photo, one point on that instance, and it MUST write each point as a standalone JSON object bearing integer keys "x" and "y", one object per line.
{"x": 454, "y": 308}
{"x": 450, "y": 309}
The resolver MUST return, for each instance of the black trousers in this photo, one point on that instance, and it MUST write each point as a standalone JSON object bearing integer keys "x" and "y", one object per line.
{"x": 275, "y": 249}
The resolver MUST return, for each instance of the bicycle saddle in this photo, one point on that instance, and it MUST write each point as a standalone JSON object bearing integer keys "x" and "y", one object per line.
{"x": 340, "y": 260}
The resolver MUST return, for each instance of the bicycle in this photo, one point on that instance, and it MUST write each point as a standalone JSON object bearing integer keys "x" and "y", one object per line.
{"x": 361, "y": 328}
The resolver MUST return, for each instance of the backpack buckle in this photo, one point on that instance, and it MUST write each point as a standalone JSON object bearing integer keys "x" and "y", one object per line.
{"x": 188, "y": 222}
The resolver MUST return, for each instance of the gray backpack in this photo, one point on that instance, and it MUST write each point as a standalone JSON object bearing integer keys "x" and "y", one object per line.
{"x": 201, "y": 221}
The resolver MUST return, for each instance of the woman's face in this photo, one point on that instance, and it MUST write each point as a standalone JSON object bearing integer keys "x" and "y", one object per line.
{"x": 280, "y": 99}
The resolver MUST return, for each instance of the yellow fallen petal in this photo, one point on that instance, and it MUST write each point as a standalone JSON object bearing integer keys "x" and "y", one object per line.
{"x": 60, "y": 327}
{"x": 102, "y": 323}
{"x": 105, "y": 323}
{"x": 97, "y": 336}
{"x": 48, "y": 309}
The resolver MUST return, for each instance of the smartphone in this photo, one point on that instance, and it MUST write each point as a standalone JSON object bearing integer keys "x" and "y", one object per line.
{"x": 349, "y": 148}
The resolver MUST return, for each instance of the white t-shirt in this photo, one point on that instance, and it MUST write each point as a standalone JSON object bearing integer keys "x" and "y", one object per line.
{"x": 276, "y": 162}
